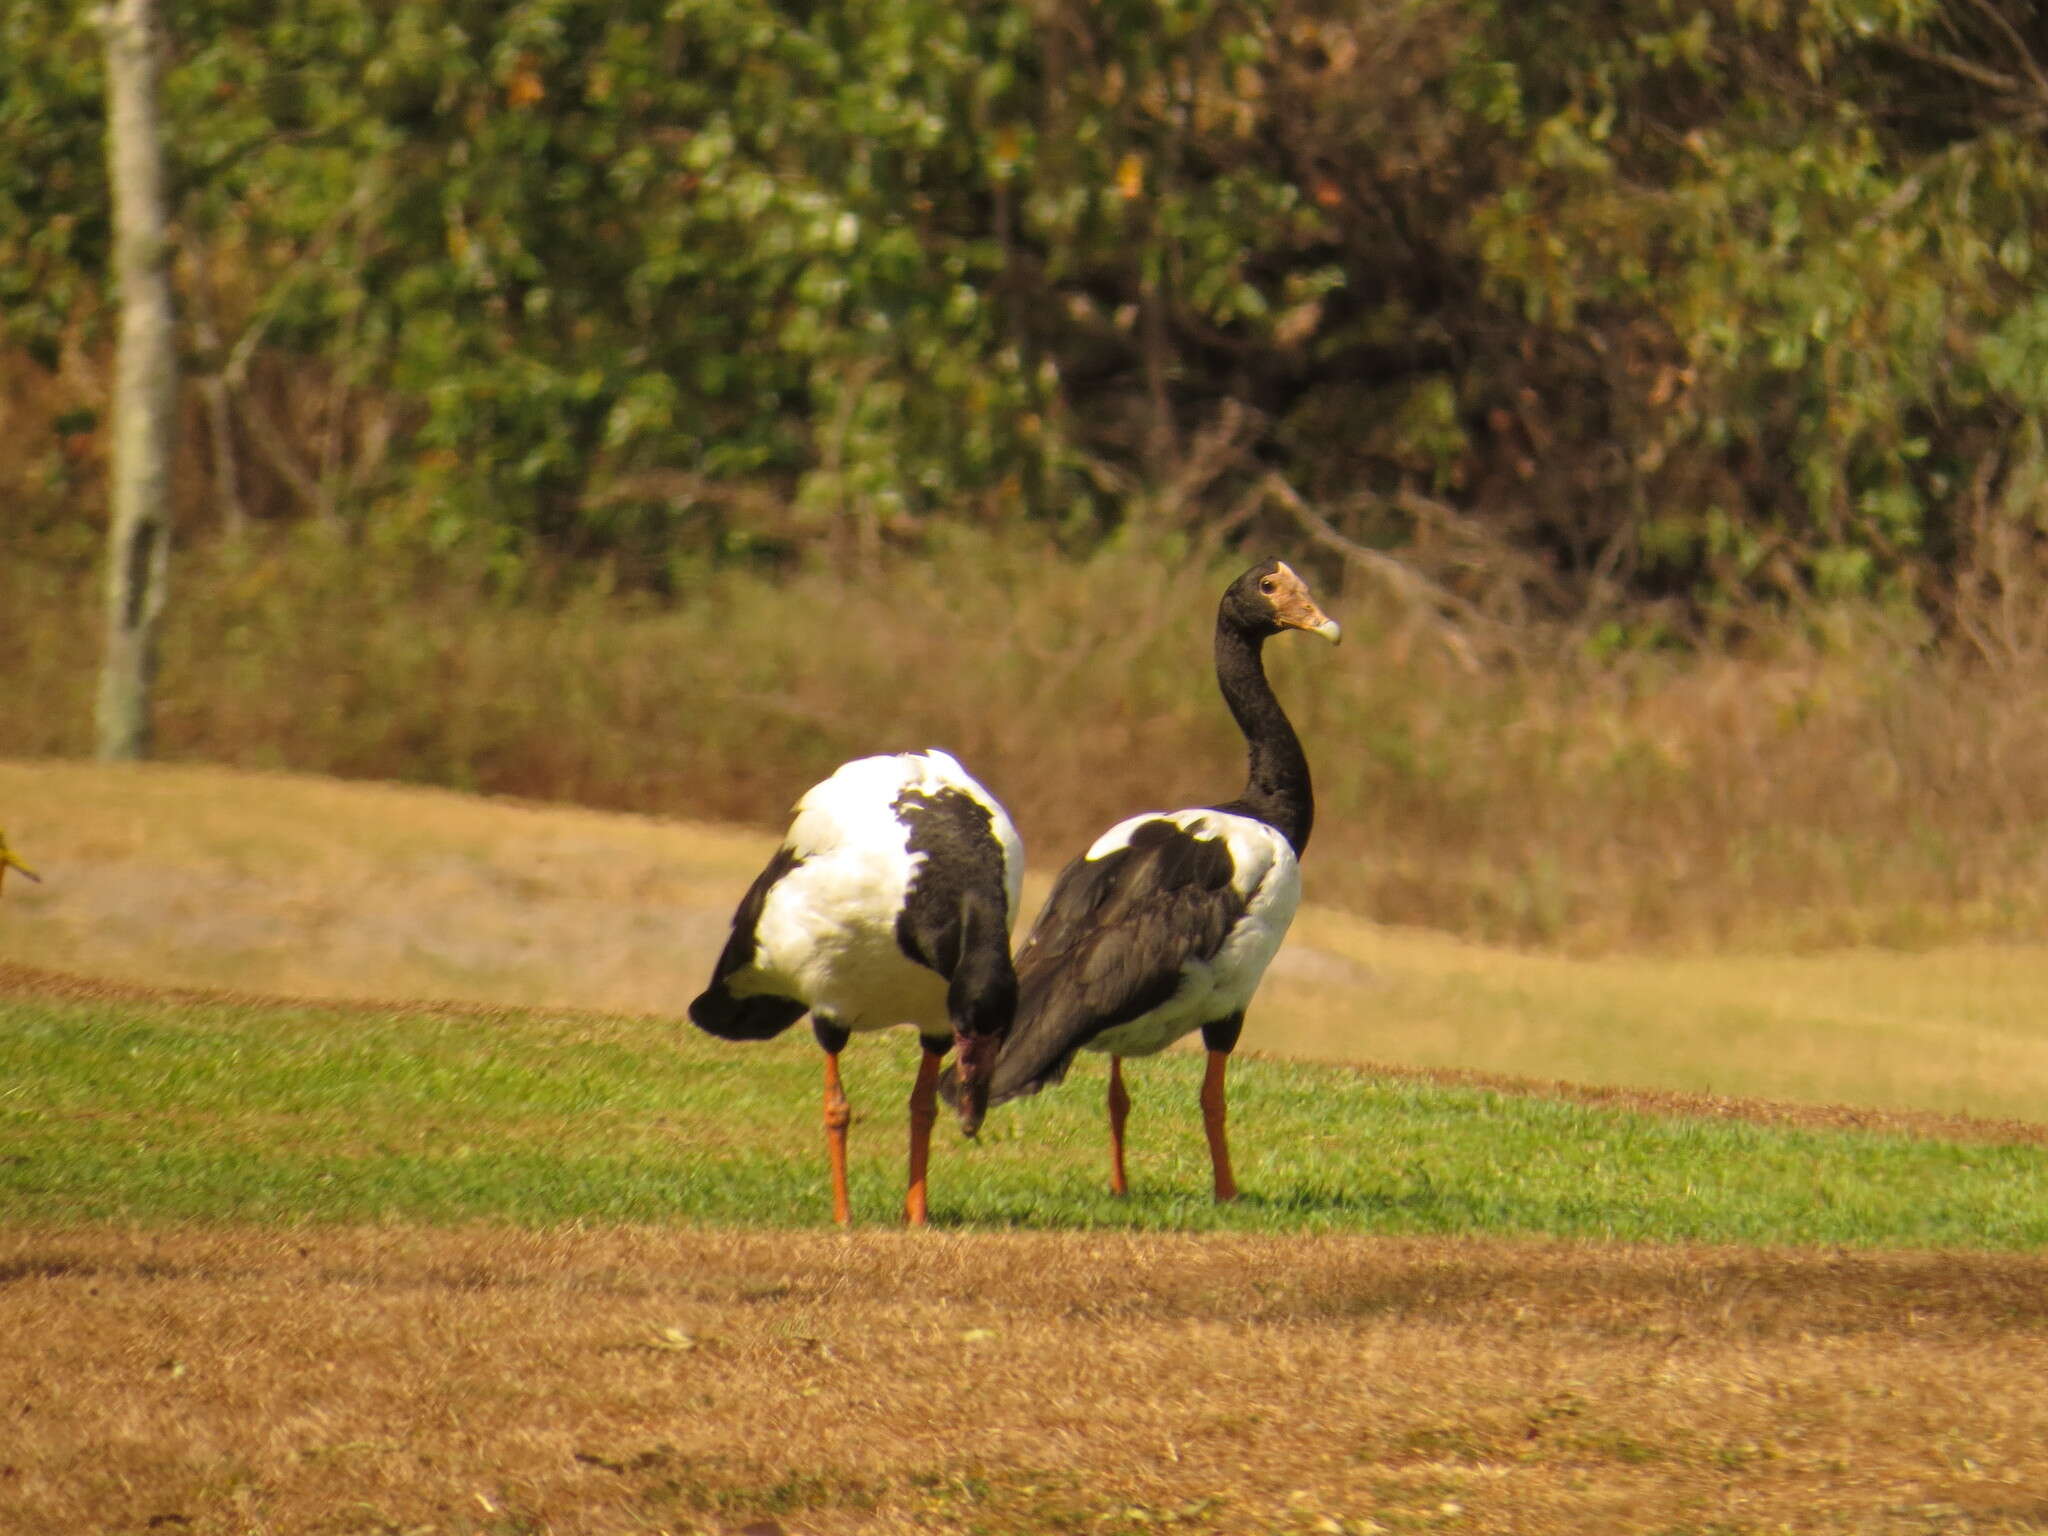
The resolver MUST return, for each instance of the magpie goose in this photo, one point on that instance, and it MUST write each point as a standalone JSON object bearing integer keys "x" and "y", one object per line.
{"x": 890, "y": 901}
{"x": 1166, "y": 924}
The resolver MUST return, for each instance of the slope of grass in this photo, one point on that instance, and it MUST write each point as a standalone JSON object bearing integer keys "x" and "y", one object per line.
{"x": 291, "y": 884}
{"x": 165, "y": 1111}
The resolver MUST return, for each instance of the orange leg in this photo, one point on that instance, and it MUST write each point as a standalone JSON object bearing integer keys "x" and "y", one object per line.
{"x": 924, "y": 1109}
{"x": 836, "y": 1117}
{"x": 1212, "y": 1122}
{"x": 1119, "y": 1112}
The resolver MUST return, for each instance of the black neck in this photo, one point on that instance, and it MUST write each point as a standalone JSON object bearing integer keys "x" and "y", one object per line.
{"x": 1276, "y": 787}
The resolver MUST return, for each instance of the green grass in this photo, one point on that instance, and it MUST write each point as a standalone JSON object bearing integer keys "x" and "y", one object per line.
{"x": 161, "y": 1111}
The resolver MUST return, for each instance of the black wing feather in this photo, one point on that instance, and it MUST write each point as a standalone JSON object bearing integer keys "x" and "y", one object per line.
{"x": 1111, "y": 945}
{"x": 761, "y": 1017}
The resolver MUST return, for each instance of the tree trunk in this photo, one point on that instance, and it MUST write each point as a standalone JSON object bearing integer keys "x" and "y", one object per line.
{"x": 145, "y": 383}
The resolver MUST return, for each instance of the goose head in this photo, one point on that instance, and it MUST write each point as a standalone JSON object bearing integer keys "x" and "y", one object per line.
{"x": 1269, "y": 598}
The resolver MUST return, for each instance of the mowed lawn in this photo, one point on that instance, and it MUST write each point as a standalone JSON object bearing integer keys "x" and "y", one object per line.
{"x": 328, "y": 1268}
{"x": 128, "y": 1107}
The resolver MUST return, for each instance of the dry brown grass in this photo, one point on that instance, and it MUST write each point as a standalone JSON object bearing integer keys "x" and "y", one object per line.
{"x": 602, "y": 1381}
{"x": 293, "y": 884}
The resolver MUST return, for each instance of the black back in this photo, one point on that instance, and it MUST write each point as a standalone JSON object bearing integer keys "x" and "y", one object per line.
{"x": 956, "y": 914}
{"x": 957, "y": 837}
{"x": 1112, "y": 944}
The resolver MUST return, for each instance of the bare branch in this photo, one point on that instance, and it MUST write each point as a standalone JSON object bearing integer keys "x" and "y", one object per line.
{"x": 265, "y": 434}
{"x": 236, "y": 368}
{"x": 213, "y": 394}
{"x": 1218, "y": 446}
{"x": 1955, "y": 64}
{"x": 2013, "y": 36}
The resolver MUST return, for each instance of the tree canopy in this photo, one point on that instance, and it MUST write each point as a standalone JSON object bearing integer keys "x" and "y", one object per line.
{"x": 1565, "y": 301}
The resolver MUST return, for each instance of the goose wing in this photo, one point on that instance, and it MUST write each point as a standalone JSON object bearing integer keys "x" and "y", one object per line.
{"x": 718, "y": 1010}
{"x": 1118, "y": 934}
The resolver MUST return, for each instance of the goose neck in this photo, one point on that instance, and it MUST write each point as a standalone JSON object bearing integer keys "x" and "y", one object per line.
{"x": 1277, "y": 789}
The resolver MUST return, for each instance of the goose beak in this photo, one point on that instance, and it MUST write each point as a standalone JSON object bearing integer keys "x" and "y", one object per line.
{"x": 1303, "y": 614}
{"x": 976, "y": 1058}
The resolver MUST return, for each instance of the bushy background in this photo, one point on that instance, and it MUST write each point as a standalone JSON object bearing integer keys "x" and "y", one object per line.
{"x": 653, "y": 403}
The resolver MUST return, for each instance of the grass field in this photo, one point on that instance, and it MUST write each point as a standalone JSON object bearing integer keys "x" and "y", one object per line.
{"x": 537, "y": 1259}
{"x": 127, "y": 1109}
{"x": 330, "y": 1268}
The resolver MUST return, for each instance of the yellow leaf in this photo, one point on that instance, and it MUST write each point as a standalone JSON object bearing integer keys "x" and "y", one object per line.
{"x": 524, "y": 88}
{"x": 1130, "y": 176}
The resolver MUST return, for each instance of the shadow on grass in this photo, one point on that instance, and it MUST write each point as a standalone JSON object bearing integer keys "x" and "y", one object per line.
{"x": 1307, "y": 1206}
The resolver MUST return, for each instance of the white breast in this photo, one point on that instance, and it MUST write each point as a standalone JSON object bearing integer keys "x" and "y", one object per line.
{"x": 827, "y": 932}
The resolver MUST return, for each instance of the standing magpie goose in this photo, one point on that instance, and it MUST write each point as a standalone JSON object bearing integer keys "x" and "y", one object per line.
{"x": 1166, "y": 924}
{"x": 889, "y": 902}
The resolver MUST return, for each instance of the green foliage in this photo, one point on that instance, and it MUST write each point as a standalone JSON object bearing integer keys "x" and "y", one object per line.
{"x": 153, "y": 1111}
{"x": 1729, "y": 298}
{"x": 1797, "y": 265}
{"x": 53, "y": 203}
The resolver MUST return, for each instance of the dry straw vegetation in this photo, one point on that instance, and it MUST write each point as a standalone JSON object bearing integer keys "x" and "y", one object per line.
{"x": 1827, "y": 780}
{"x": 489, "y": 1381}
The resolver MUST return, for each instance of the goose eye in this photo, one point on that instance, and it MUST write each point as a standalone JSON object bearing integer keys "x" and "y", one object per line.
{"x": 1269, "y": 586}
